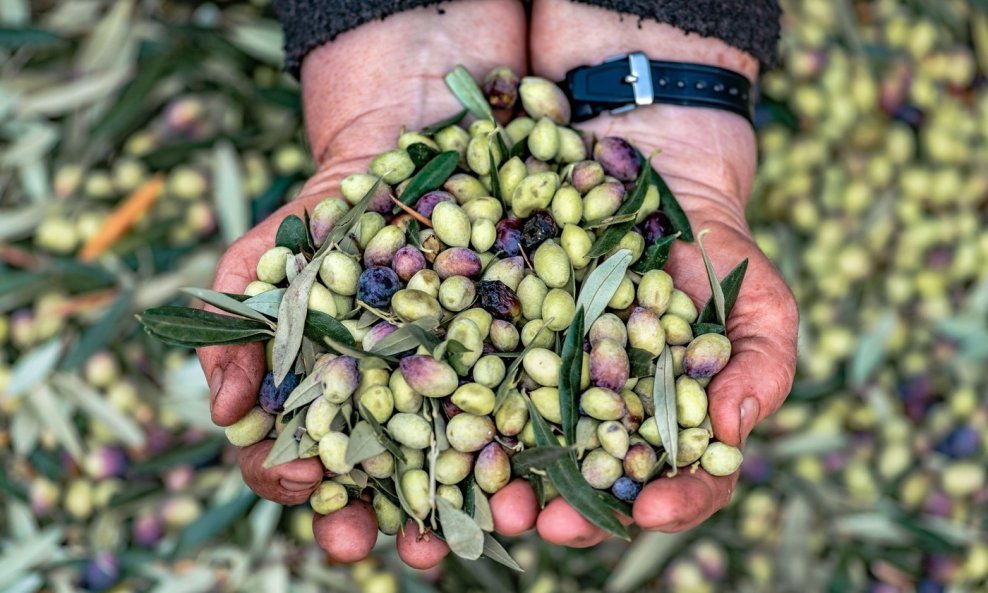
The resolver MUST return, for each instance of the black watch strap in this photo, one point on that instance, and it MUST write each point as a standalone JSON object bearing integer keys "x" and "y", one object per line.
{"x": 624, "y": 82}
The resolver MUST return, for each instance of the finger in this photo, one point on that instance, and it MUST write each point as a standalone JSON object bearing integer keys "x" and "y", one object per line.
{"x": 682, "y": 502}
{"x": 289, "y": 483}
{"x": 515, "y": 508}
{"x": 349, "y": 534}
{"x": 560, "y": 524}
{"x": 760, "y": 373}
{"x": 234, "y": 373}
{"x": 420, "y": 551}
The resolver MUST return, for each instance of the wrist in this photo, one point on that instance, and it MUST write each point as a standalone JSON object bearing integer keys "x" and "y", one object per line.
{"x": 361, "y": 88}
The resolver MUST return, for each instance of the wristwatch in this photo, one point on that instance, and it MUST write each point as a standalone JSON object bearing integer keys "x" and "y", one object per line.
{"x": 627, "y": 81}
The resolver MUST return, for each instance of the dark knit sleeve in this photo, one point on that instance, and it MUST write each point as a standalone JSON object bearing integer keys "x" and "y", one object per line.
{"x": 749, "y": 25}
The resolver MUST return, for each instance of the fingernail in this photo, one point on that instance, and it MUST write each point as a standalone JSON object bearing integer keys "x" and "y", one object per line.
{"x": 215, "y": 383}
{"x": 294, "y": 486}
{"x": 748, "y": 417}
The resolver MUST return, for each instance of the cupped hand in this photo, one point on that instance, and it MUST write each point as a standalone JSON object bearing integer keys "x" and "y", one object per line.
{"x": 708, "y": 159}
{"x": 358, "y": 92}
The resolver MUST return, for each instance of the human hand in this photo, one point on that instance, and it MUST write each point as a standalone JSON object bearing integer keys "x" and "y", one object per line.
{"x": 708, "y": 159}
{"x": 349, "y": 120}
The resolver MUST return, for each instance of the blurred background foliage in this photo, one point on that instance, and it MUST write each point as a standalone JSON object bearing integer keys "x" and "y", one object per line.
{"x": 872, "y": 198}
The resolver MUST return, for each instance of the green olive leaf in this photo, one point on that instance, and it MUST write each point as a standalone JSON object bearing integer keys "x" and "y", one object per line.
{"x": 293, "y": 233}
{"x": 408, "y": 337}
{"x": 421, "y": 154}
{"x": 194, "y": 328}
{"x": 266, "y": 303}
{"x": 656, "y": 256}
{"x": 480, "y": 508}
{"x": 670, "y": 205}
{"x": 730, "y": 287}
{"x": 495, "y": 174}
{"x": 493, "y": 550}
{"x": 382, "y": 435}
{"x": 308, "y": 389}
{"x": 664, "y": 396}
{"x": 536, "y": 458}
{"x": 363, "y": 443}
{"x": 430, "y": 177}
{"x": 462, "y": 534}
{"x": 716, "y": 292}
{"x": 569, "y": 376}
{"x": 285, "y": 448}
{"x": 707, "y": 328}
{"x": 465, "y": 89}
{"x": 566, "y": 477}
{"x": 600, "y": 285}
{"x": 345, "y": 224}
{"x": 641, "y": 362}
{"x": 292, "y": 313}
{"x": 444, "y": 123}
{"x": 226, "y": 303}
{"x": 613, "y": 234}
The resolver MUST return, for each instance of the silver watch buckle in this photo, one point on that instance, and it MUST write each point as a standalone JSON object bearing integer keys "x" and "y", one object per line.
{"x": 640, "y": 79}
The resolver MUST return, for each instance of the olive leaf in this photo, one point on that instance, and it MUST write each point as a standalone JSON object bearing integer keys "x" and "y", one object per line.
{"x": 430, "y": 177}
{"x": 194, "y": 328}
{"x": 226, "y": 303}
{"x": 382, "y": 436}
{"x": 509, "y": 376}
{"x": 707, "y": 328}
{"x": 476, "y": 505}
{"x": 871, "y": 349}
{"x": 421, "y": 154}
{"x": 452, "y": 352}
{"x": 293, "y": 233}
{"x": 292, "y": 313}
{"x": 600, "y": 285}
{"x": 495, "y": 174}
{"x": 345, "y": 224}
{"x": 538, "y": 487}
{"x": 612, "y": 236}
{"x": 641, "y": 362}
{"x": 403, "y": 502}
{"x": 670, "y": 205}
{"x": 412, "y": 231}
{"x": 465, "y": 89}
{"x": 566, "y": 477}
{"x": 285, "y": 447}
{"x": 716, "y": 292}
{"x": 496, "y": 552}
{"x": 34, "y": 367}
{"x": 569, "y": 376}
{"x": 664, "y": 396}
{"x": 656, "y": 256}
{"x": 537, "y": 458}
{"x": 408, "y": 337}
{"x": 444, "y": 123}
{"x": 293, "y": 309}
{"x": 730, "y": 287}
{"x": 111, "y": 323}
{"x": 439, "y": 425}
{"x": 606, "y": 221}
{"x": 462, "y": 534}
{"x": 308, "y": 388}
{"x": 319, "y": 327}
{"x": 363, "y": 443}
{"x": 266, "y": 303}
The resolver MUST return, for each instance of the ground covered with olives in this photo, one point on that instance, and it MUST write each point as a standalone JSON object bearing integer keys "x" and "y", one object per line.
{"x": 484, "y": 302}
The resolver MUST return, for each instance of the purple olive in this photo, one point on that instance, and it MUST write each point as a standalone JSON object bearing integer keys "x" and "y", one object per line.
{"x": 618, "y": 158}
{"x": 457, "y": 261}
{"x": 427, "y": 203}
{"x": 509, "y": 234}
{"x": 407, "y": 261}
